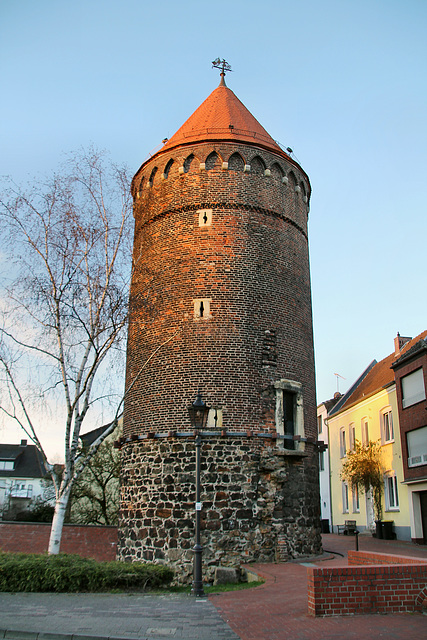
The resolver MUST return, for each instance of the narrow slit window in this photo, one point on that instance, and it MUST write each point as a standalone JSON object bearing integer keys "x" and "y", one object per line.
{"x": 202, "y": 308}
{"x": 205, "y": 217}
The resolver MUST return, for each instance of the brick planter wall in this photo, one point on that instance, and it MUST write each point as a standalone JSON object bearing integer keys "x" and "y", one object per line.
{"x": 394, "y": 584}
{"x": 99, "y": 543}
{"x": 370, "y": 557}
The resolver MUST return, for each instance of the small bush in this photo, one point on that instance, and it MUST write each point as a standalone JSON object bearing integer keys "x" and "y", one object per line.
{"x": 40, "y": 513}
{"x": 69, "y": 573}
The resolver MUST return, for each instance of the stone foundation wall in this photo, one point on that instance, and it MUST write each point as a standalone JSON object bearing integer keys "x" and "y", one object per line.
{"x": 260, "y": 502}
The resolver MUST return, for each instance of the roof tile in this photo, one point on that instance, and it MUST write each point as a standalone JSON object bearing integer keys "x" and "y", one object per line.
{"x": 222, "y": 116}
{"x": 380, "y": 376}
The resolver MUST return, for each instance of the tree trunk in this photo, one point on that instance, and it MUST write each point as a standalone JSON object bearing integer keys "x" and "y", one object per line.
{"x": 58, "y": 523}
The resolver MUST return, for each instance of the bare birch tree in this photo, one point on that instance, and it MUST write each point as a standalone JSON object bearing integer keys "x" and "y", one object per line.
{"x": 64, "y": 305}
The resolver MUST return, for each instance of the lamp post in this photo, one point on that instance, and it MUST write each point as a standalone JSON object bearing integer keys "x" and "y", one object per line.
{"x": 198, "y": 412}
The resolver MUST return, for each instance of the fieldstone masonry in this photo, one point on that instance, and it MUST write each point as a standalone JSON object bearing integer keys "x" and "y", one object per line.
{"x": 220, "y": 300}
{"x": 255, "y": 503}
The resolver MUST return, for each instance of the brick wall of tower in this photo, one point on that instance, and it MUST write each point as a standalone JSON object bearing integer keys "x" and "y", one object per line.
{"x": 252, "y": 262}
{"x": 260, "y": 503}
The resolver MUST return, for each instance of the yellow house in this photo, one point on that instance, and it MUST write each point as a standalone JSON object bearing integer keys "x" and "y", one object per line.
{"x": 368, "y": 412}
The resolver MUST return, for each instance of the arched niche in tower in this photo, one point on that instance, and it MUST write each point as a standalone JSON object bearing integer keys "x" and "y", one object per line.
{"x": 187, "y": 162}
{"x": 236, "y": 162}
{"x": 257, "y": 165}
{"x": 293, "y": 183}
{"x": 168, "y": 168}
{"x": 303, "y": 191}
{"x": 152, "y": 176}
{"x": 277, "y": 171}
{"x": 138, "y": 186}
{"x": 213, "y": 161}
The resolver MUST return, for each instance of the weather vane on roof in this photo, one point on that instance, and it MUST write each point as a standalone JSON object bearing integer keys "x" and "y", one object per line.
{"x": 221, "y": 64}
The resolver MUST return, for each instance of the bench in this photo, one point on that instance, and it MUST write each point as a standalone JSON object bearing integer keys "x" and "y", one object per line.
{"x": 348, "y": 529}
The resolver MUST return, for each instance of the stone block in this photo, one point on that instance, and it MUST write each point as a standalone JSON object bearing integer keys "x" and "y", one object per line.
{"x": 226, "y": 575}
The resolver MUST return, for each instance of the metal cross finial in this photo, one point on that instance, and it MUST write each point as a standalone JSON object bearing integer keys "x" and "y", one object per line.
{"x": 221, "y": 64}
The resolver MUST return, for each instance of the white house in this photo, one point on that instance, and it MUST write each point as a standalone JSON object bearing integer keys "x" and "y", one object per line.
{"x": 21, "y": 477}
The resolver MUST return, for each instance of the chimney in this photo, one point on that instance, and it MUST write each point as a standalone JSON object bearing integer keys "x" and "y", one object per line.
{"x": 23, "y": 443}
{"x": 399, "y": 343}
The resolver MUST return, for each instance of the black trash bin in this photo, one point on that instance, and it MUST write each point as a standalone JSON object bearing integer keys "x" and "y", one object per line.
{"x": 387, "y": 529}
{"x": 378, "y": 529}
{"x": 325, "y": 525}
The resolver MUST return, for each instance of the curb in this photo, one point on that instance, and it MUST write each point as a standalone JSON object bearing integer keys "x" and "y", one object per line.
{"x": 11, "y": 634}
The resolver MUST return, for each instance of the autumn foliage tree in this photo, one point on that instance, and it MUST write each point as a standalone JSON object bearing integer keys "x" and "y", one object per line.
{"x": 363, "y": 469}
{"x": 66, "y": 249}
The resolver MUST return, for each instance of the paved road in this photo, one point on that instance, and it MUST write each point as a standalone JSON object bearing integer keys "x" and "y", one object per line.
{"x": 277, "y": 610}
{"x": 151, "y": 617}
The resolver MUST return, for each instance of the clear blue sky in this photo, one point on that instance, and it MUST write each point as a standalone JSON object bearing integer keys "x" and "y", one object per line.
{"x": 343, "y": 83}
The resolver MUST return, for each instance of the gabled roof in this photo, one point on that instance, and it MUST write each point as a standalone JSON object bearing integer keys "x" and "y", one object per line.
{"x": 89, "y": 437}
{"x": 412, "y": 352}
{"x": 28, "y": 461}
{"x": 329, "y": 404}
{"x": 379, "y": 375}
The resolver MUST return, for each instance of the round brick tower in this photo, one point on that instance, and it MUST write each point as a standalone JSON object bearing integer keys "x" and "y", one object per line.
{"x": 220, "y": 301}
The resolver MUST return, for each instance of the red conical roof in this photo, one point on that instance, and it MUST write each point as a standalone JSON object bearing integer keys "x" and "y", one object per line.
{"x": 222, "y": 117}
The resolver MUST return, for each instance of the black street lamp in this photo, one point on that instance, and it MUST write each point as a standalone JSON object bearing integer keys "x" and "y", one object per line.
{"x": 198, "y": 412}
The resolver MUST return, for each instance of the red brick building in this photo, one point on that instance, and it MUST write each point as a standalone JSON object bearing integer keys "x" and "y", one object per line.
{"x": 220, "y": 301}
{"x": 410, "y": 371}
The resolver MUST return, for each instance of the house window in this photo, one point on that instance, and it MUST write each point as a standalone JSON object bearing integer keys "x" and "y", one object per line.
{"x": 289, "y": 414}
{"x": 321, "y": 460}
{"x": 319, "y": 424}
{"x": 343, "y": 448}
{"x": 391, "y": 493}
{"x": 352, "y": 433}
{"x": 6, "y": 465}
{"x": 417, "y": 447}
{"x": 387, "y": 430}
{"x": 413, "y": 388}
{"x": 365, "y": 431}
{"x": 355, "y": 498}
{"x": 344, "y": 497}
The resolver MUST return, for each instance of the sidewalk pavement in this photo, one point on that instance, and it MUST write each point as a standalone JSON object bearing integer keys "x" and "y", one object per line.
{"x": 277, "y": 610}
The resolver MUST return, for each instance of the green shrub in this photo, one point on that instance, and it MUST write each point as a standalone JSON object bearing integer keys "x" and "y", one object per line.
{"x": 69, "y": 573}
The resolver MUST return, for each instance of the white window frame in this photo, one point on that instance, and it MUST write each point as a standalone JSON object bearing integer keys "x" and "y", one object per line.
{"x": 321, "y": 460}
{"x": 6, "y": 465}
{"x": 345, "y": 503}
{"x": 352, "y": 436}
{"x": 355, "y": 499}
{"x": 365, "y": 431}
{"x": 343, "y": 449}
{"x": 413, "y": 388}
{"x": 391, "y": 492}
{"x": 417, "y": 447}
{"x": 387, "y": 425}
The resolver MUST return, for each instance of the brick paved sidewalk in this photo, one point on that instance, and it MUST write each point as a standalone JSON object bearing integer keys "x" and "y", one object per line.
{"x": 278, "y": 609}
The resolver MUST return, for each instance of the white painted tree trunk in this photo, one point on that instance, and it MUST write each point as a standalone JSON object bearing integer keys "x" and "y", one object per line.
{"x": 58, "y": 523}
